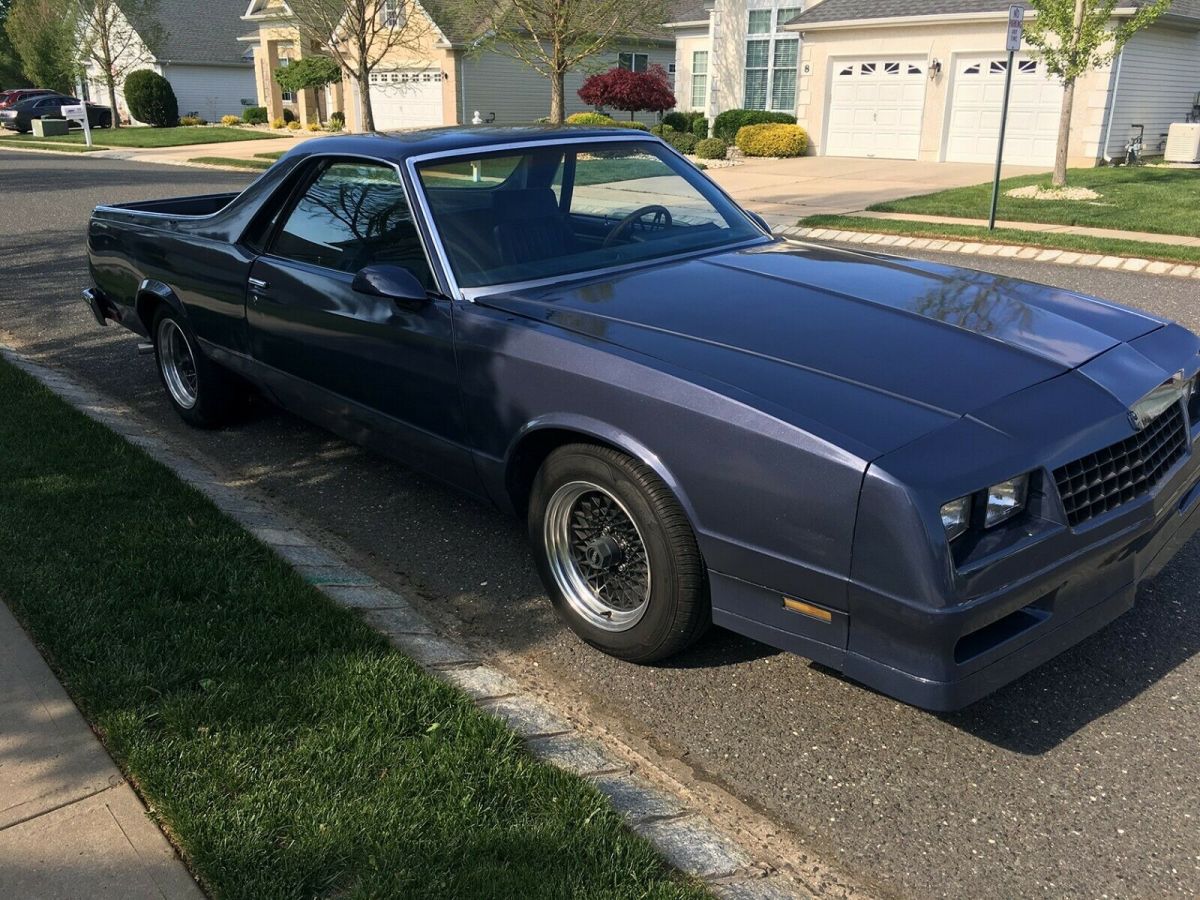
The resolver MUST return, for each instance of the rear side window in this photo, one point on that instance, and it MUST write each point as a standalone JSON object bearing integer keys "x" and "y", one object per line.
{"x": 352, "y": 216}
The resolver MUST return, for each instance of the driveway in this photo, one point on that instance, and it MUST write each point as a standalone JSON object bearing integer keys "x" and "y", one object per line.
{"x": 785, "y": 190}
{"x": 1078, "y": 780}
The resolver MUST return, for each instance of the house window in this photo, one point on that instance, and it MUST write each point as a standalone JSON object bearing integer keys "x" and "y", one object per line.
{"x": 392, "y": 13}
{"x": 634, "y": 62}
{"x": 700, "y": 79}
{"x": 771, "y": 58}
{"x": 286, "y": 96}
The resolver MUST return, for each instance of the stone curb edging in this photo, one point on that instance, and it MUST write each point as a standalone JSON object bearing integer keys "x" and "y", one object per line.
{"x": 685, "y": 837}
{"x": 877, "y": 240}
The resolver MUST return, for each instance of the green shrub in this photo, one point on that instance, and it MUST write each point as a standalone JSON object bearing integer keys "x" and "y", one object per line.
{"x": 192, "y": 120}
{"x": 255, "y": 115}
{"x": 289, "y": 117}
{"x": 712, "y": 148}
{"x": 589, "y": 118}
{"x": 151, "y": 99}
{"x": 337, "y": 121}
{"x": 728, "y": 123}
{"x": 684, "y": 142}
{"x": 772, "y": 140}
{"x": 636, "y": 126}
{"x": 662, "y": 130}
{"x": 699, "y": 127}
{"x": 678, "y": 121}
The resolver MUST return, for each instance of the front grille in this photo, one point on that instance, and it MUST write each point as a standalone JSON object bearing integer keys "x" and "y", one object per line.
{"x": 1107, "y": 478}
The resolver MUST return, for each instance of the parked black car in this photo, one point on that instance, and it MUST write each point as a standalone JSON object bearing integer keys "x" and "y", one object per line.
{"x": 20, "y": 117}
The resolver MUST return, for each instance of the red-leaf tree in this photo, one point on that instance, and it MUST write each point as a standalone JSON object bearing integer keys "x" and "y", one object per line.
{"x": 648, "y": 91}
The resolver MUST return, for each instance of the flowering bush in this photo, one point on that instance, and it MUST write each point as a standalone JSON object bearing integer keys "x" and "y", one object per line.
{"x": 772, "y": 140}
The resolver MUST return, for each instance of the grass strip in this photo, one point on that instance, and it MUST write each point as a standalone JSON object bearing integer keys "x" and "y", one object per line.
{"x": 256, "y": 164}
{"x": 1160, "y": 199}
{"x": 58, "y": 148}
{"x": 287, "y": 748}
{"x": 1078, "y": 242}
{"x": 273, "y": 155}
{"x": 138, "y": 136}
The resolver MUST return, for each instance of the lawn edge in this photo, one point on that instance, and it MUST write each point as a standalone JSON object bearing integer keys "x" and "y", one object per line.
{"x": 687, "y": 840}
{"x": 928, "y": 237}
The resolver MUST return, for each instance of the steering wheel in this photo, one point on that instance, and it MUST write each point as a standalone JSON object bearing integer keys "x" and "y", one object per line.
{"x": 662, "y": 219}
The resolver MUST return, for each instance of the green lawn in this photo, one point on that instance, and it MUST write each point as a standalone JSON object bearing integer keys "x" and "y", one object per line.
{"x": 154, "y": 137}
{"x": 231, "y": 162}
{"x": 61, "y": 148}
{"x": 1077, "y": 242}
{"x": 1142, "y": 198}
{"x": 289, "y": 750}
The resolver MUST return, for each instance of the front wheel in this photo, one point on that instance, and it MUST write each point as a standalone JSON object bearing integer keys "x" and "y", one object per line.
{"x": 617, "y": 554}
{"x": 202, "y": 392}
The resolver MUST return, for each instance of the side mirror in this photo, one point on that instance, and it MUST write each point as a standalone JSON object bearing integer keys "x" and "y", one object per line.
{"x": 393, "y": 282}
{"x": 760, "y": 221}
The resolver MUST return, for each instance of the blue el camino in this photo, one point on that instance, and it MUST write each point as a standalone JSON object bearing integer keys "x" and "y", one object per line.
{"x": 929, "y": 478}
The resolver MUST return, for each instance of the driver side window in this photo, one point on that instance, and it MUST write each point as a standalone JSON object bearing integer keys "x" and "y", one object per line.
{"x": 353, "y": 215}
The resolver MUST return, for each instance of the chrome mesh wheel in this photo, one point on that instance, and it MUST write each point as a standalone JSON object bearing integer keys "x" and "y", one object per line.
{"x": 177, "y": 362}
{"x": 597, "y": 556}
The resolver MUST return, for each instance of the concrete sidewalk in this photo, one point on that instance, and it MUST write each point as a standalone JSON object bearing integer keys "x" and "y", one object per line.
{"x": 1149, "y": 237}
{"x": 228, "y": 149}
{"x": 70, "y": 826}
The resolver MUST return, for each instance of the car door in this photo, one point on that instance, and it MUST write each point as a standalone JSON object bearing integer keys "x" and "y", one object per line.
{"x": 380, "y": 371}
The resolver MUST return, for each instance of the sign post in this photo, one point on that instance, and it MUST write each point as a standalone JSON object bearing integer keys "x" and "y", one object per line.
{"x": 1016, "y": 26}
{"x": 78, "y": 111}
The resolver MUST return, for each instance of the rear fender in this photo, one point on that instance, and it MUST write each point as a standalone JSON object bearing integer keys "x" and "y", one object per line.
{"x": 150, "y": 295}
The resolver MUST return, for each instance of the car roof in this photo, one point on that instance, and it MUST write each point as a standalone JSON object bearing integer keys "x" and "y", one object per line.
{"x": 398, "y": 146}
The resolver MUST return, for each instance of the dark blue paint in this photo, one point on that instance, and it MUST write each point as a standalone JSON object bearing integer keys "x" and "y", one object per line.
{"x": 811, "y": 409}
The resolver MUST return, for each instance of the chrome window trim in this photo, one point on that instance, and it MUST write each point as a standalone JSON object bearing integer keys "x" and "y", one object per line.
{"x": 469, "y": 294}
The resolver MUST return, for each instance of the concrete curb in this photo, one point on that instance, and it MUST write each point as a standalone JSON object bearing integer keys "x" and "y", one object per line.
{"x": 895, "y": 242}
{"x": 686, "y": 838}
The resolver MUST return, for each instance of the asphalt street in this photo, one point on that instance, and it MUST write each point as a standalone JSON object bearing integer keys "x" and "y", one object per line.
{"x": 1080, "y": 780}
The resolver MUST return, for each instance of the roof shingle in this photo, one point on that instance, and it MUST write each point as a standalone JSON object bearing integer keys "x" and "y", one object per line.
{"x": 198, "y": 33}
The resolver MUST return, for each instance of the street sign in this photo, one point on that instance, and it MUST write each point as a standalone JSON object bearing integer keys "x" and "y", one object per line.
{"x": 1016, "y": 25}
{"x": 78, "y": 111}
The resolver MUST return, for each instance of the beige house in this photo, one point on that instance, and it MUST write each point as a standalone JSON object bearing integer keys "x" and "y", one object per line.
{"x": 445, "y": 80}
{"x": 923, "y": 79}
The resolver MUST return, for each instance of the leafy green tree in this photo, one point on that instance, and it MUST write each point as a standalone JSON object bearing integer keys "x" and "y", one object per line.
{"x": 10, "y": 64}
{"x": 308, "y": 72}
{"x": 41, "y": 35}
{"x": 1075, "y": 36}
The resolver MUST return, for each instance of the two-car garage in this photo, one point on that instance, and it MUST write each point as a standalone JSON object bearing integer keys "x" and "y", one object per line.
{"x": 877, "y": 108}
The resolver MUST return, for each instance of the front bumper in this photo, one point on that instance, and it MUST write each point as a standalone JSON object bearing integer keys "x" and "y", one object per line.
{"x": 955, "y": 656}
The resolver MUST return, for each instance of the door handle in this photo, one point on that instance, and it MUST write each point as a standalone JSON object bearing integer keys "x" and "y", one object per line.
{"x": 259, "y": 284}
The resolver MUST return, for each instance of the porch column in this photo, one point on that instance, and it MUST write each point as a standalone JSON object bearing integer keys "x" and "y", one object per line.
{"x": 270, "y": 94}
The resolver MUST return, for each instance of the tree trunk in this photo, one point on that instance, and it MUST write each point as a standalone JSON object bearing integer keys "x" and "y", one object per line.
{"x": 556, "y": 98}
{"x": 1064, "y": 134}
{"x": 364, "y": 91}
{"x": 112, "y": 98}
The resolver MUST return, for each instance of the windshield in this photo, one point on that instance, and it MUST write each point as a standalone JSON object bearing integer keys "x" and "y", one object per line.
{"x": 565, "y": 209}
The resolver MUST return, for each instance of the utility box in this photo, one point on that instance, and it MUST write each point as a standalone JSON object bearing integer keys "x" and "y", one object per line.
{"x": 50, "y": 127}
{"x": 1183, "y": 143}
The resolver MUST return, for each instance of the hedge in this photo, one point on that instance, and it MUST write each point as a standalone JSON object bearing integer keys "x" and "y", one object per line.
{"x": 255, "y": 115}
{"x": 683, "y": 141}
{"x": 151, "y": 99}
{"x": 728, "y": 123}
{"x": 589, "y": 118}
{"x": 772, "y": 140}
{"x": 712, "y": 148}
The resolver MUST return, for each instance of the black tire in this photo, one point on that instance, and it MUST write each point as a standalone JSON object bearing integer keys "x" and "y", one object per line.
{"x": 678, "y": 610}
{"x": 215, "y": 390}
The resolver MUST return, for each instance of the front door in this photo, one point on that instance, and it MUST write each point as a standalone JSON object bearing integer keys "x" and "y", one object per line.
{"x": 379, "y": 371}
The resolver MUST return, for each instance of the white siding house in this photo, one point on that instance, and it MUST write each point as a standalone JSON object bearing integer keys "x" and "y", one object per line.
{"x": 211, "y": 73}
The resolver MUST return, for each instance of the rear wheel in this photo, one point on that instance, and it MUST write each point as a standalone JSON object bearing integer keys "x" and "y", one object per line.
{"x": 617, "y": 554}
{"x": 202, "y": 392}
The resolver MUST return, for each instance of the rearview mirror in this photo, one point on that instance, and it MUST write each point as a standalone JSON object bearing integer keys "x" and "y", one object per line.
{"x": 393, "y": 282}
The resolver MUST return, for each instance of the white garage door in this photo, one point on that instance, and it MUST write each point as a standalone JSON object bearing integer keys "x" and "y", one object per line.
{"x": 406, "y": 98}
{"x": 975, "y": 112}
{"x": 875, "y": 108}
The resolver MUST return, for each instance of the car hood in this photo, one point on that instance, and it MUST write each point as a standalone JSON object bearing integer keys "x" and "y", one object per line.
{"x": 867, "y": 351}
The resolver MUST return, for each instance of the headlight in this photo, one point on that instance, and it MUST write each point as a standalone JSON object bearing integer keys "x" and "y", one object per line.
{"x": 997, "y": 504}
{"x": 956, "y": 517}
{"x": 1005, "y": 500}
